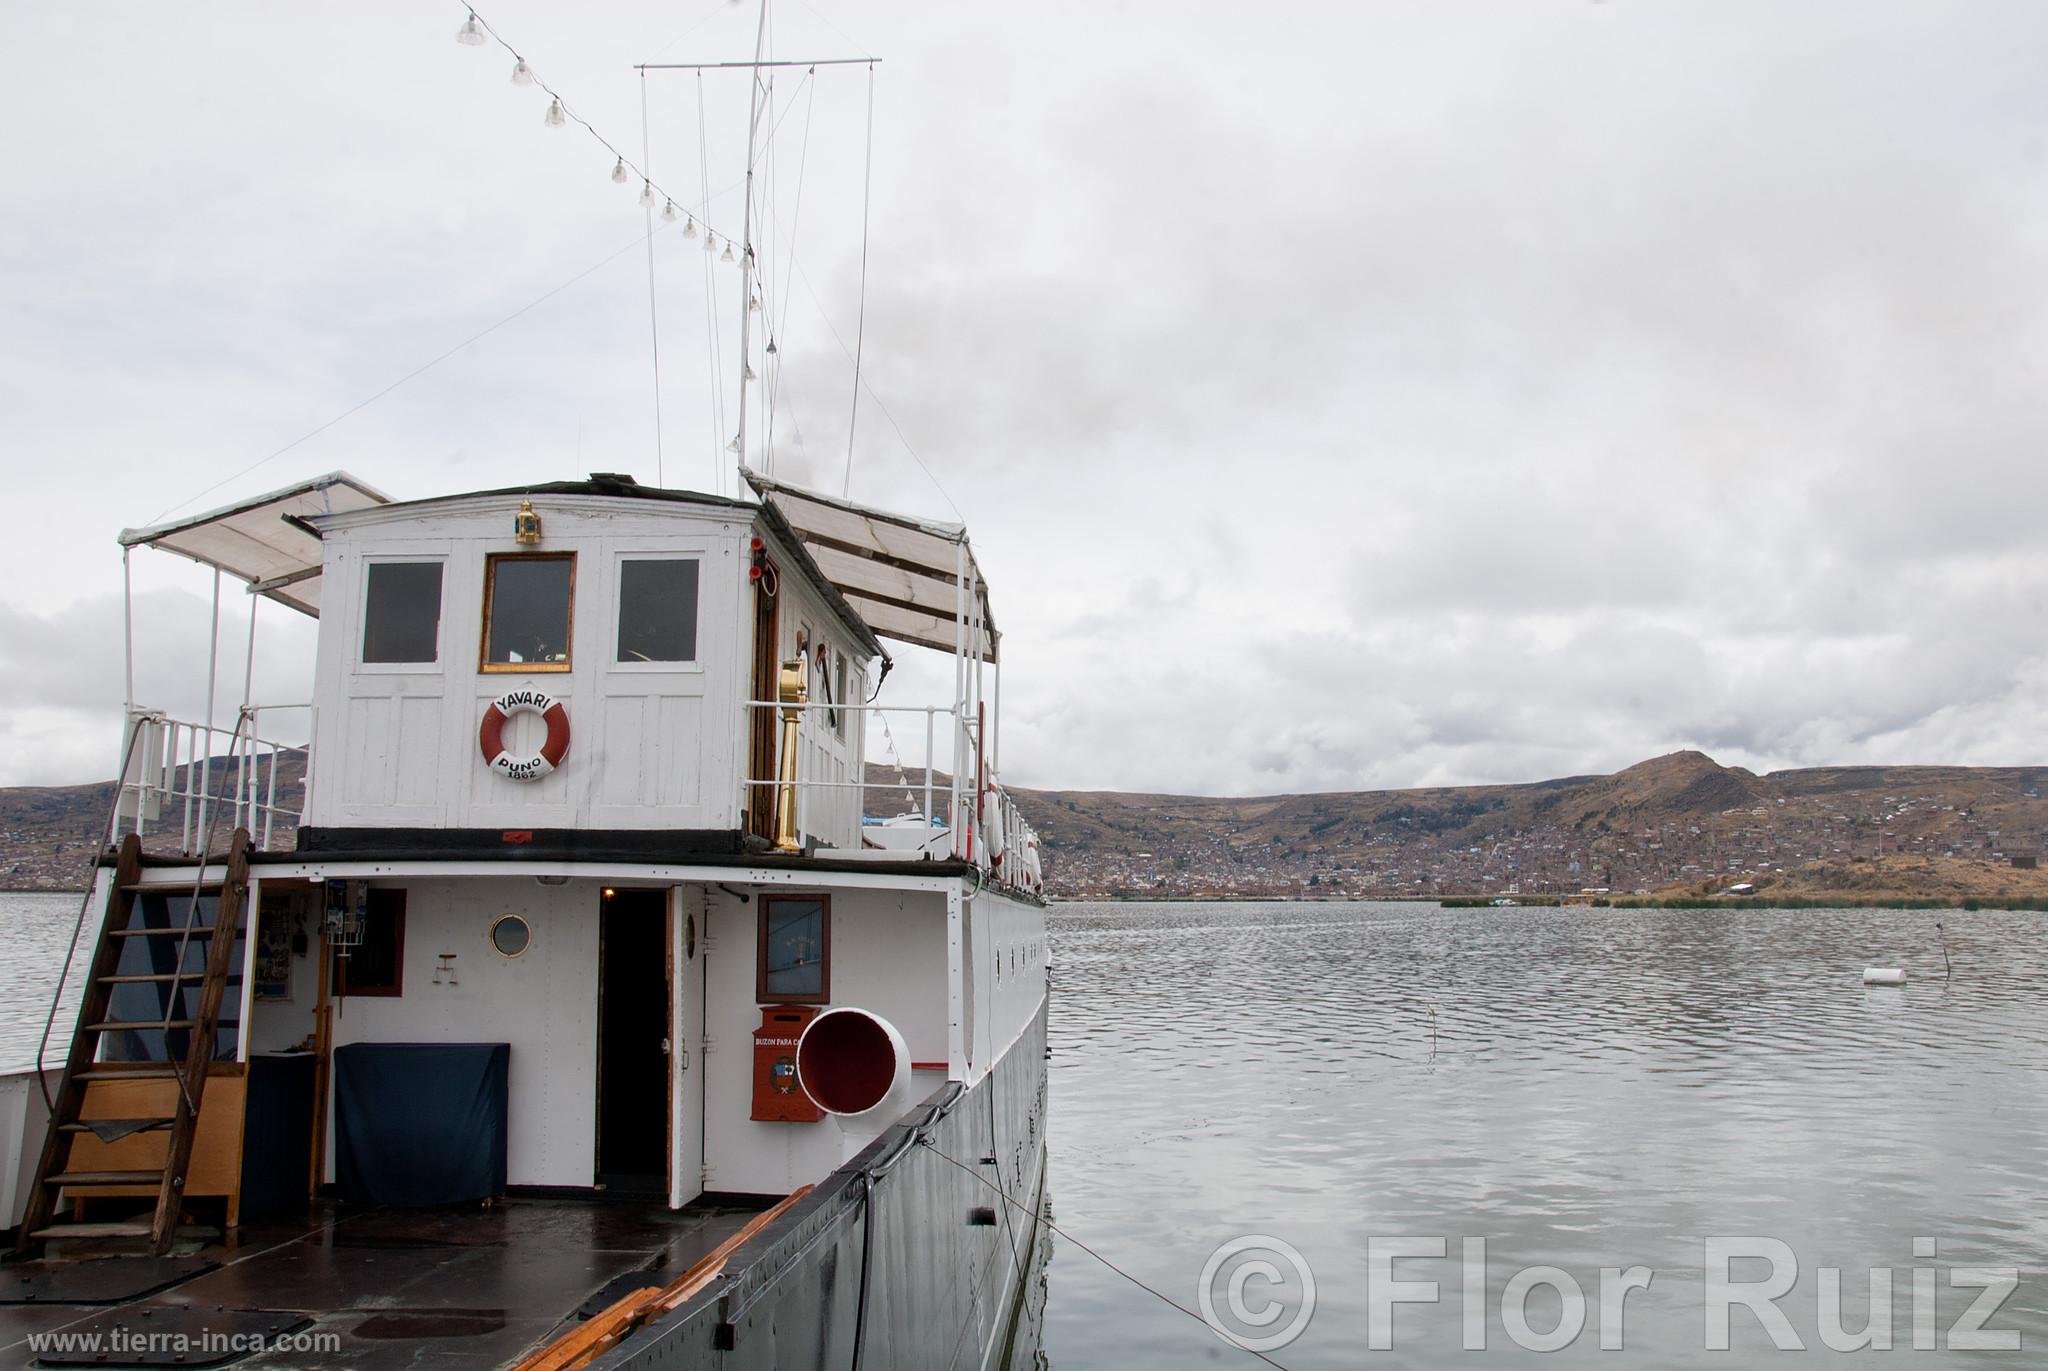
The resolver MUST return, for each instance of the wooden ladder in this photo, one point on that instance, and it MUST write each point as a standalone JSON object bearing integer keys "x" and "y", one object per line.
{"x": 53, "y": 1171}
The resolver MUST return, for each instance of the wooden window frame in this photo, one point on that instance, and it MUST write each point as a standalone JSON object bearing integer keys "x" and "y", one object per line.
{"x": 766, "y": 901}
{"x": 484, "y": 664}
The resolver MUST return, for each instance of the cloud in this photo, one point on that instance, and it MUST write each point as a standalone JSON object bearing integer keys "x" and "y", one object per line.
{"x": 63, "y": 676}
{"x": 1380, "y": 397}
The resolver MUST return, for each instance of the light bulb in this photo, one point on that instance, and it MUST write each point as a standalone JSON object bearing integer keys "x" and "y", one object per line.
{"x": 710, "y": 241}
{"x": 555, "y": 117}
{"x": 771, "y": 347}
{"x": 689, "y": 228}
{"x": 668, "y": 212}
{"x": 522, "y": 75}
{"x": 749, "y": 372}
{"x": 734, "y": 446}
{"x": 619, "y": 171}
{"x": 471, "y": 34}
{"x": 753, "y": 304}
{"x": 647, "y": 195}
{"x": 726, "y": 256}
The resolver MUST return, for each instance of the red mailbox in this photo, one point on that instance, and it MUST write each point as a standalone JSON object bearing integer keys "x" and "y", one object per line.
{"x": 778, "y": 1098}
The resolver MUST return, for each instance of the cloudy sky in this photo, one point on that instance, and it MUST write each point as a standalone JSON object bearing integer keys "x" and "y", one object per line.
{"x": 1340, "y": 395}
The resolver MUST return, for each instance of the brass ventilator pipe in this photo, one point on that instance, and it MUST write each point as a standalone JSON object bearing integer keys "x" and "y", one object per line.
{"x": 793, "y": 692}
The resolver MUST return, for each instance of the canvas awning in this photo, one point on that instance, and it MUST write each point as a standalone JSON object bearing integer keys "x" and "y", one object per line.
{"x": 260, "y": 540}
{"x": 903, "y": 576}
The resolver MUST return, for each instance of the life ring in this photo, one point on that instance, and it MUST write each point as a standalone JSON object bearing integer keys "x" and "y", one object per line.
{"x": 992, "y": 825}
{"x": 491, "y": 736}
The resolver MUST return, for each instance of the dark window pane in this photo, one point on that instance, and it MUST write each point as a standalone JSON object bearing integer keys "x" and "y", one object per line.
{"x": 793, "y": 954}
{"x": 529, "y": 611}
{"x": 658, "y": 611}
{"x": 402, "y": 612}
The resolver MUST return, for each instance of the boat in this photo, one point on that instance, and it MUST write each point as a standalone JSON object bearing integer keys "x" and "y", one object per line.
{"x": 551, "y": 993}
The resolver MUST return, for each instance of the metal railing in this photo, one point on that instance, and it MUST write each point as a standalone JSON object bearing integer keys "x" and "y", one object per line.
{"x": 204, "y": 774}
{"x": 815, "y": 719}
{"x": 1011, "y": 863}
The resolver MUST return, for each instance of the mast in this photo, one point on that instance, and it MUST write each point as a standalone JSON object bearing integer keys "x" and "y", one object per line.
{"x": 747, "y": 230}
{"x": 756, "y": 102}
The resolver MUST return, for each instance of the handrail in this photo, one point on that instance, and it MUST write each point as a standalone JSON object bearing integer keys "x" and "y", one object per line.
{"x": 966, "y": 808}
{"x": 181, "y": 767}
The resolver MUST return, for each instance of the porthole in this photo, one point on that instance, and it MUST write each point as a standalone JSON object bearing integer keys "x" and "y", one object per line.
{"x": 510, "y": 935}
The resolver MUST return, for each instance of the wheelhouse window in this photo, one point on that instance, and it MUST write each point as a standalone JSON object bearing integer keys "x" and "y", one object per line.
{"x": 794, "y": 965}
{"x": 657, "y": 610}
{"x": 402, "y": 612}
{"x": 528, "y": 600}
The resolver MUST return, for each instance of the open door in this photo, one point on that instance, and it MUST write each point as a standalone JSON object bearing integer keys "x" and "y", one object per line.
{"x": 760, "y": 799}
{"x": 686, "y": 1066}
{"x": 633, "y": 1041}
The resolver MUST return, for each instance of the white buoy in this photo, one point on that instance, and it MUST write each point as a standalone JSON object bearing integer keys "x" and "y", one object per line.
{"x": 1884, "y": 975}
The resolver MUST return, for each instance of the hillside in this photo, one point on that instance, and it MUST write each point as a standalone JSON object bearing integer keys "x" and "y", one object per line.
{"x": 1675, "y": 823}
{"x": 48, "y": 833}
{"x": 1680, "y": 819}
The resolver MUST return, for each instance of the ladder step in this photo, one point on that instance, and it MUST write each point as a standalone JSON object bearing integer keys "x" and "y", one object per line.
{"x": 197, "y": 931}
{"x": 89, "y": 1178}
{"x": 131, "y": 1125}
{"x": 140, "y": 980}
{"x": 138, "y": 1073}
{"x": 119, "y": 1025}
{"x": 93, "y": 1230}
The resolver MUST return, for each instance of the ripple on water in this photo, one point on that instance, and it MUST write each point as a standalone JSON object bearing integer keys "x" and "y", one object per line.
{"x": 1583, "y": 1087}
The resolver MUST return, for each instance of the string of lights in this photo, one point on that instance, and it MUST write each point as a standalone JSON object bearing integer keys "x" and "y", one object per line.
{"x": 476, "y": 32}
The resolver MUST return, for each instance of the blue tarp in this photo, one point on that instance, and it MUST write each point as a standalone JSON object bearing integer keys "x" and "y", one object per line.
{"x": 420, "y": 1123}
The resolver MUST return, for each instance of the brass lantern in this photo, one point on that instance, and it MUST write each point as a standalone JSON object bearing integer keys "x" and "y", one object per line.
{"x": 526, "y": 525}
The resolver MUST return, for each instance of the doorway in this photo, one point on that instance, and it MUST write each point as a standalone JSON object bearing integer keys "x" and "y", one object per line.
{"x": 760, "y": 798}
{"x": 632, "y": 1041}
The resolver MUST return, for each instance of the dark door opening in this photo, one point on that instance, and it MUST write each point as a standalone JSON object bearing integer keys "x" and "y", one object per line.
{"x": 760, "y": 799}
{"x": 632, "y": 1041}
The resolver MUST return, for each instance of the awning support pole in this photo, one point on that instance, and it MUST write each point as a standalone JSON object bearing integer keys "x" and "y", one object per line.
{"x": 212, "y": 675}
{"x": 245, "y": 779}
{"x": 127, "y": 634}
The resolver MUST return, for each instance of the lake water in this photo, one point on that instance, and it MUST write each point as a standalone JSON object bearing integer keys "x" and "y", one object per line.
{"x": 1582, "y": 1088}
{"x": 33, "y": 932}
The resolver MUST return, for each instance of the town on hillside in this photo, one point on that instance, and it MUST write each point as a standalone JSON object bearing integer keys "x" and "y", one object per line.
{"x": 1678, "y": 823}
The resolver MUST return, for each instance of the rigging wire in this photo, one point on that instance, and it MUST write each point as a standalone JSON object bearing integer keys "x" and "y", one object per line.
{"x": 819, "y": 305}
{"x": 621, "y": 164}
{"x": 653, "y": 316}
{"x": 924, "y": 1140}
{"x": 763, "y": 290}
{"x": 754, "y": 107}
{"x": 416, "y": 372}
{"x": 835, "y": 28}
{"x": 780, "y": 326}
{"x": 715, "y": 346}
{"x": 861, "y": 328}
{"x": 718, "y": 7}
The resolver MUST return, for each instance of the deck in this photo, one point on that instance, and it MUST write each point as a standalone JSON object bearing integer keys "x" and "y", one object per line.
{"x": 464, "y": 1287}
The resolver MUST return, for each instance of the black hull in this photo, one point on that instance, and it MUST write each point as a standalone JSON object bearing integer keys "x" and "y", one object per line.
{"x": 905, "y": 1259}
